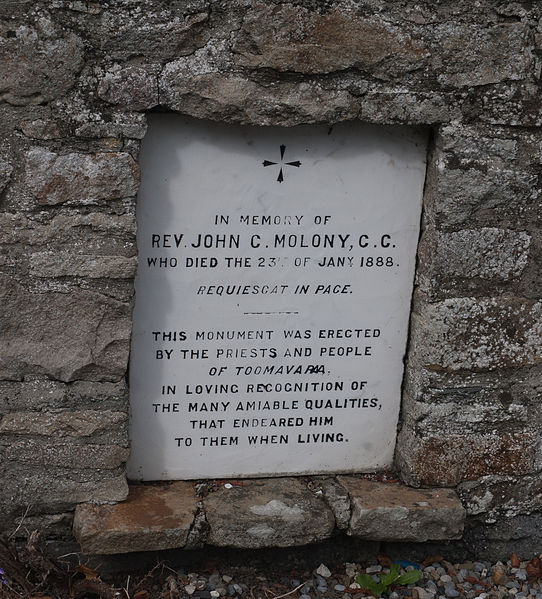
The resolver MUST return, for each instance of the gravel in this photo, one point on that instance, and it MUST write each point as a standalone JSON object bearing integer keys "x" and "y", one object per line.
{"x": 440, "y": 580}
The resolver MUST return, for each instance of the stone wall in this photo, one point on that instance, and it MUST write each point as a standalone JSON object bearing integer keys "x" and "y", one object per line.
{"x": 77, "y": 79}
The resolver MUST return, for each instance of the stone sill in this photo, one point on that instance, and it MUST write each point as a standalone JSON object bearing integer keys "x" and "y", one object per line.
{"x": 273, "y": 512}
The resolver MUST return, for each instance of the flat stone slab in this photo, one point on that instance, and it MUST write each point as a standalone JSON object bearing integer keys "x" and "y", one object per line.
{"x": 272, "y": 512}
{"x": 395, "y": 512}
{"x": 152, "y": 518}
{"x": 281, "y": 512}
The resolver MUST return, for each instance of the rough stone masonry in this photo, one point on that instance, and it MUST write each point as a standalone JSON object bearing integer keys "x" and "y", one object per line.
{"x": 76, "y": 81}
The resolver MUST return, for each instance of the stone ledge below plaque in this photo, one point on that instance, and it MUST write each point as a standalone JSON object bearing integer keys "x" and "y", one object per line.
{"x": 258, "y": 513}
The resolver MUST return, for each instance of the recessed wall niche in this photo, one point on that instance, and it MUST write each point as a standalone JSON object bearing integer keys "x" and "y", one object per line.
{"x": 272, "y": 297}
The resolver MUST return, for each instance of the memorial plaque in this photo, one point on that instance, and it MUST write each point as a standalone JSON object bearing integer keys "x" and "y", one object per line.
{"x": 272, "y": 297}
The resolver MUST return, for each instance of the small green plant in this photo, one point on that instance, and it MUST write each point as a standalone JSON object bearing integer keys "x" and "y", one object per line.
{"x": 392, "y": 578}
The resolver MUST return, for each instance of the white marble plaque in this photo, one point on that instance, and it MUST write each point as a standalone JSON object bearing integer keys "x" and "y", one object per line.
{"x": 272, "y": 298}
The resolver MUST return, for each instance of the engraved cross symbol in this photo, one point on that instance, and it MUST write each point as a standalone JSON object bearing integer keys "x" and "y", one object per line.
{"x": 296, "y": 163}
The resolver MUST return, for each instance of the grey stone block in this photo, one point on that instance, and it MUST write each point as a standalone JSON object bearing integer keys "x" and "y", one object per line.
{"x": 407, "y": 106}
{"x": 487, "y": 253}
{"x": 67, "y": 455}
{"x": 47, "y": 395}
{"x": 294, "y": 38}
{"x": 133, "y": 87}
{"x": 80, "y": 178}
{"x": 55, "y": 264}
{"x": 478, "y": 334}
{"x": 472, "y": 56}
{"x": 82, "y": 423}
{"x": 42, "y": 129}
{"x": 156, "y": 34}
{"x": 151, "y": 518}
{"x": 493, "y": 498}
{"x": 280, "y": 512}
{"x": 468, "y": 145}
{"x": 446, "y": 460}
{"x": 93, "y": 230}
{"x": 67, "y": 336}
{"x": 233, "y": 98}
{"x": 470, "y": 197}
{"x": 40, "y": 61}
{"x": 39, "y": 489}
{"x": 131, "y": 125}
{"x": 395, "y": 512}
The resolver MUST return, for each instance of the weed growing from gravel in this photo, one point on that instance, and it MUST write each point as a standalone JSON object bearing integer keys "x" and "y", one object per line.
{"x": 387, "y": 581}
